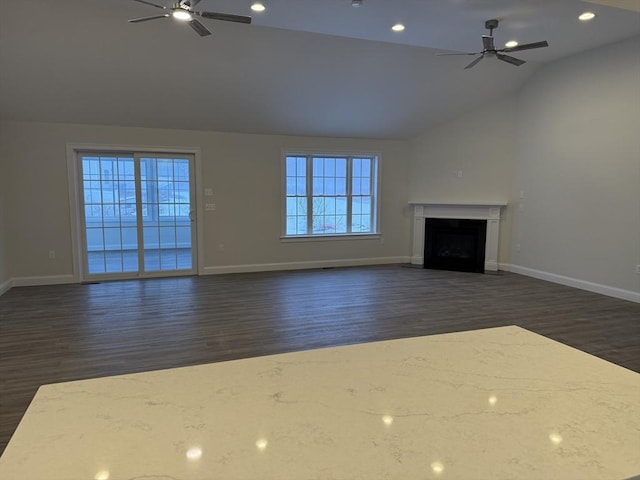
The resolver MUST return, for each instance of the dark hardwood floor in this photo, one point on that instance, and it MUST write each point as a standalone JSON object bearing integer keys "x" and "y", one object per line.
{"x": 59, "y": 333}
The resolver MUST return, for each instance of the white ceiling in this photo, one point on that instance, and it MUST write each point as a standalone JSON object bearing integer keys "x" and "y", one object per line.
{"x": 305, "y": 67}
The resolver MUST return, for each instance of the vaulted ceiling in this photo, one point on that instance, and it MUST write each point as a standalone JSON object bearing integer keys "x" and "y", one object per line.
{"x": 304, "y": 67}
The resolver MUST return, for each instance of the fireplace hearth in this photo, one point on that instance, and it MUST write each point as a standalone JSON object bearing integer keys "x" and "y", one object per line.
{"x": 455, "y": 244}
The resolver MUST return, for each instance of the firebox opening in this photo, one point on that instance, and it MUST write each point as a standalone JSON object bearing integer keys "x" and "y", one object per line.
{"x": 455, "y": 244}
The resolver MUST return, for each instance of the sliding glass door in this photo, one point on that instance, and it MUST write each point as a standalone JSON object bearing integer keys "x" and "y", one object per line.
{"x": 138, "y": 215}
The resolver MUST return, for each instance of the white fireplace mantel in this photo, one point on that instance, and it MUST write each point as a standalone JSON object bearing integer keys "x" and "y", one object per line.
{"x": 489, "y": 211}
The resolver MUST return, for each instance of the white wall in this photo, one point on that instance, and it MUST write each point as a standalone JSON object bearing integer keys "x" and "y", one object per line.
{"x": 481, "y": 145}
{"x": 578, "y": 165}
{"x": 243, "y": 171}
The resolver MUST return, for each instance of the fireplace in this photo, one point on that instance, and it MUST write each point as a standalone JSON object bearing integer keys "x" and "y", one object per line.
{"x": 455, "y": 244}
{"x": 488, "y": 212}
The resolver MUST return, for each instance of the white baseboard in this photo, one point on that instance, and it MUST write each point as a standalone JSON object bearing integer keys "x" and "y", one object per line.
{"x": 43, "y": 280}
{"x": 270, "y": 267}
{"x": 574, "y": 282}
{"x": 5, "y": 287}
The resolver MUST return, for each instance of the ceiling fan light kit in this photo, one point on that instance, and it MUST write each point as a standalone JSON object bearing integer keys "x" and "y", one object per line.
{"x": 489, "y": 49}
{"x": 180, "y": 14}
{"x": 183, "y": 11}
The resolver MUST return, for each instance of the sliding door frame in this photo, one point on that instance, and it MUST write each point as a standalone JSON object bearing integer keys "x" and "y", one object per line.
{"x": 74, "y": 150}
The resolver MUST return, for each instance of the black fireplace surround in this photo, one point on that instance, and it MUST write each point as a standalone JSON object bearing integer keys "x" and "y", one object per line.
{"x": 455, "y": 244}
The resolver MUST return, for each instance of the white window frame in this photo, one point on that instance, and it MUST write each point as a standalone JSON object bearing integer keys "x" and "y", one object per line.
{"x": 376, "y": 182}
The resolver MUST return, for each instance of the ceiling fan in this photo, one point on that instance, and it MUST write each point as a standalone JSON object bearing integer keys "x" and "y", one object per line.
{"x": 489, "y": 49}
{"x": 183, "y": 10}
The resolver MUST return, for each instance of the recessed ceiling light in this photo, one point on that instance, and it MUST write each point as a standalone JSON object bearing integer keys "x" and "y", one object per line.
{"x": 258, "y": 7}
{"x": 356, "y": 3}
{"x": 586, "y": 16}
{"x": 180, "y": 14}
{"x": 398, "y": 27}
{"x": 511, "y": 44}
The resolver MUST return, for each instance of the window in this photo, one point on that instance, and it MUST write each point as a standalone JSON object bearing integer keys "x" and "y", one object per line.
{"x": 330, "y": 195}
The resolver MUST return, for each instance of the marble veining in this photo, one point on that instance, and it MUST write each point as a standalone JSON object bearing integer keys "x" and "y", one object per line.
{"x": 500, "y": 403}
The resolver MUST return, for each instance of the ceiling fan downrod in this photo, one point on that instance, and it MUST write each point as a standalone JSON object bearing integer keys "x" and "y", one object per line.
{"x": 491, "y": 25}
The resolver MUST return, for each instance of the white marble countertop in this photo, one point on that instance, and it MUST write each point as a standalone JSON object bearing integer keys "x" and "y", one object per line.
{"x": 488, "y": 404}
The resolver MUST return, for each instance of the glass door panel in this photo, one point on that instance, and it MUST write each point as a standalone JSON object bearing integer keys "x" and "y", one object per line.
{"x": 109, "y": 214}
{"x": 166, "y": 205}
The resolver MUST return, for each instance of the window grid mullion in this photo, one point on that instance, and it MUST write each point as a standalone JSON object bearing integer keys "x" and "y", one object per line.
{"x": 309, "y": 195}
{"x": 137, "y": 177}
{"x": 115, "y": 177}
{"x": 349, "y": 193}
{"x": 102, "y": 225}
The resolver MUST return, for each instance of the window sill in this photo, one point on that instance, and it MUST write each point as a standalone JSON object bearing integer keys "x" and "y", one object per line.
{"x": 330, "y": 238}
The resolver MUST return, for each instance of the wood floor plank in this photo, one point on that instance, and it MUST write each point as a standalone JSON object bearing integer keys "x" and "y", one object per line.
{"x": 60, "y": 333}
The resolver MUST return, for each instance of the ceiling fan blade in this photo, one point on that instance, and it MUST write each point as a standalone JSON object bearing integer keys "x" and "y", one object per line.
{"x": 513, "y": 61}
{"x": 199, "y": 28}
{"x": 152, "y": 4}
{"x": 445, "y": 54}
{"x": 225, "y": 17}
{"x": 487, "y": 42}
{"x": 474, "y": 63}
{"x": 144, "y": 19}
{"x": 526, "y": 46}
